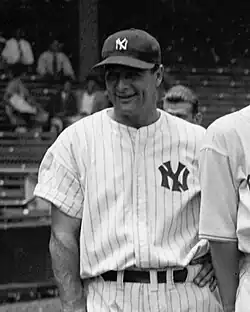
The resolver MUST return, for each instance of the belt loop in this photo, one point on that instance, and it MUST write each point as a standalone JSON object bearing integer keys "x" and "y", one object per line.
{"x": 170, "y": 278}
{"x": 120, "y": 284}
{"x": 153, "y": 280}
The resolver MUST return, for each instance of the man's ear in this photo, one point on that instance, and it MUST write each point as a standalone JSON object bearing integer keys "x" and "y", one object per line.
{"x": 159, "y": 75}
{"x": 198, "y": 118}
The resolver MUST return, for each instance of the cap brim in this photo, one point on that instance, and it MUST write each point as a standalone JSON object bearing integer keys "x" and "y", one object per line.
{"x": 125, "y": 61}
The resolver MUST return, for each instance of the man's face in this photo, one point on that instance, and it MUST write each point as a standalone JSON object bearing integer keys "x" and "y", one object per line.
{"x": 67, "y": 86}
{"x": 54, "y": 47}
{"x": 181, "y": 109}
{"x": 132, "y": 90}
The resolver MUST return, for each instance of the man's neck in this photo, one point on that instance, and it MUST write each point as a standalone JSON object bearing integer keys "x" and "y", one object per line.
{"x": 142, "y": 120}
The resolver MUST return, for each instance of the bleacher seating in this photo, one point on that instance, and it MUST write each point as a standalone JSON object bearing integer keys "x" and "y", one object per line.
{"x": 220, "y": 90}
{"x": 20, "y": 156}
{"x": 23, "y": 152}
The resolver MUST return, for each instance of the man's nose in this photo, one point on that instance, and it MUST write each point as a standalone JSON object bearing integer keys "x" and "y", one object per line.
{"x": 122, "y": 84}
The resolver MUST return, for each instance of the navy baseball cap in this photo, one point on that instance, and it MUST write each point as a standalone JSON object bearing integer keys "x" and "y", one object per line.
{"x": 133, "y": 47}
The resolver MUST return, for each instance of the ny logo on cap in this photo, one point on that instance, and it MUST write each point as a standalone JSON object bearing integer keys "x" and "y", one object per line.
{"x": 121, "y": 44}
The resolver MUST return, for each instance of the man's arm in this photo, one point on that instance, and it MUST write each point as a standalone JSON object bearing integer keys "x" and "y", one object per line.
{"x": 7, "y": 50}
{"x": 29, "y": 54}
{"x": 218, "y": 220}
{"x": 64, "y": 250}
{"x": 67, "y": 67}
{"x": 225, "y": 257}
{"x": 41, "y": 65}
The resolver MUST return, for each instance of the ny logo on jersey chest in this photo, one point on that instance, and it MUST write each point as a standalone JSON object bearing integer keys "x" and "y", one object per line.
{"x": 179, "y": 177}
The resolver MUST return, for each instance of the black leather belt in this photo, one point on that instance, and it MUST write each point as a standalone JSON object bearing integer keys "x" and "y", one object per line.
{"x": 179, "y": 276}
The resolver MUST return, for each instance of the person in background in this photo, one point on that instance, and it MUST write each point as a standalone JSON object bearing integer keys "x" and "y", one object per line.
{"x": 63, "y": 107}
{"x": 18, "y": 53}
{"x": 54, "y": 64}
{"x": 182, "y": 102}
{"x": 21, "y": 107}
{"x": 94, "y": 97}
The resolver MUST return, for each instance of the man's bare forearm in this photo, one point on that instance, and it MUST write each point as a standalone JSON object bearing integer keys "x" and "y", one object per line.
{"x": 64, "y": 252}
{"x": 225, "y": 257}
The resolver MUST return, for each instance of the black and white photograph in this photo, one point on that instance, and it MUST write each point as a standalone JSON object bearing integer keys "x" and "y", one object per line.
{"x": 124, "y": 156}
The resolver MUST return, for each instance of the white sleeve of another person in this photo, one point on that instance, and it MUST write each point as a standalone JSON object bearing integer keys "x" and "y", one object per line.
{"x": 29, "y": 57}
{"x": 41, "y": 64}
{"x": 9, "y": 52}
{"x": 67, "y": 68}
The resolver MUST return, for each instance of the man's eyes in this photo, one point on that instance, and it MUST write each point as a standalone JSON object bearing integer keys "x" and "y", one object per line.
{"x": 111, "y": 76}
{"x": 127, "y": 75}
{"x": 134, "y": 74}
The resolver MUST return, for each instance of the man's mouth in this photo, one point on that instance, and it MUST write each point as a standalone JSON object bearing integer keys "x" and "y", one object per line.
{"x": 126, "y": 97}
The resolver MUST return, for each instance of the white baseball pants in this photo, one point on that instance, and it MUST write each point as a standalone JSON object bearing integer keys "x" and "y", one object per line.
{"x": 105, "y": 296}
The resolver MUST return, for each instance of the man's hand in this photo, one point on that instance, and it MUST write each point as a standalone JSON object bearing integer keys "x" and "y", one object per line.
{"x": 76, "y": 305}
{"x": 206, "y": 275}
{"x": 75, "y": 310}
{"x": 71, "y": 309}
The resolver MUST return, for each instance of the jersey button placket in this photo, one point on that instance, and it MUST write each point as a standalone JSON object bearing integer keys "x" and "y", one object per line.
{"x": 140, "y": 203}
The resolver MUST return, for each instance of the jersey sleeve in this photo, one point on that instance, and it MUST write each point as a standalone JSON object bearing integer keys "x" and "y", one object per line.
{"x": 59, "y": 181}
{"x": 218, "y": 213}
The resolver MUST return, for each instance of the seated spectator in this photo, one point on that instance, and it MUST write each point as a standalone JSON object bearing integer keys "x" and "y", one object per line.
{"x": 182, "y": 102}
{"x": 22, "y": 109}
{"x": 54, "y": 63}
{"x": 18, "y": 53}
{"x": 94, "y": 97}
{"x": 63, "y": 108}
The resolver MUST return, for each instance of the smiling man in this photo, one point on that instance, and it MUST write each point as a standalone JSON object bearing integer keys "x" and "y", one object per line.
{"x": 125, "y": 195}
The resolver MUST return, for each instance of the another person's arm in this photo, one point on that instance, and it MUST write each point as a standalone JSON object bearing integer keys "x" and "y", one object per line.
{"x": 218, "y": 221}
{"x": 59, "y": 183}
{"x": 29, "y": 57}
{"x": 226, "y": 258}
{"x": 6, "y": 53}
{"x": 9, "y": 91}
{"x": 67, "y": 67}
{"x": 41, "y": 65}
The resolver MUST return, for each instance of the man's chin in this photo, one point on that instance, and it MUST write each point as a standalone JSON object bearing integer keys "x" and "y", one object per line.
{"x": 129, "y": 108}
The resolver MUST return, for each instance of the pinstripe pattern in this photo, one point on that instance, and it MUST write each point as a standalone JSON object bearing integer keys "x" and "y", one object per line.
{"x": 106, "y": 297}
{"x": 128, "y": 218}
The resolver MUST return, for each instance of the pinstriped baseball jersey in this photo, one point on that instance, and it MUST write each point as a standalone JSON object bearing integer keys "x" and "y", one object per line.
{"x": 136, "y": 190}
